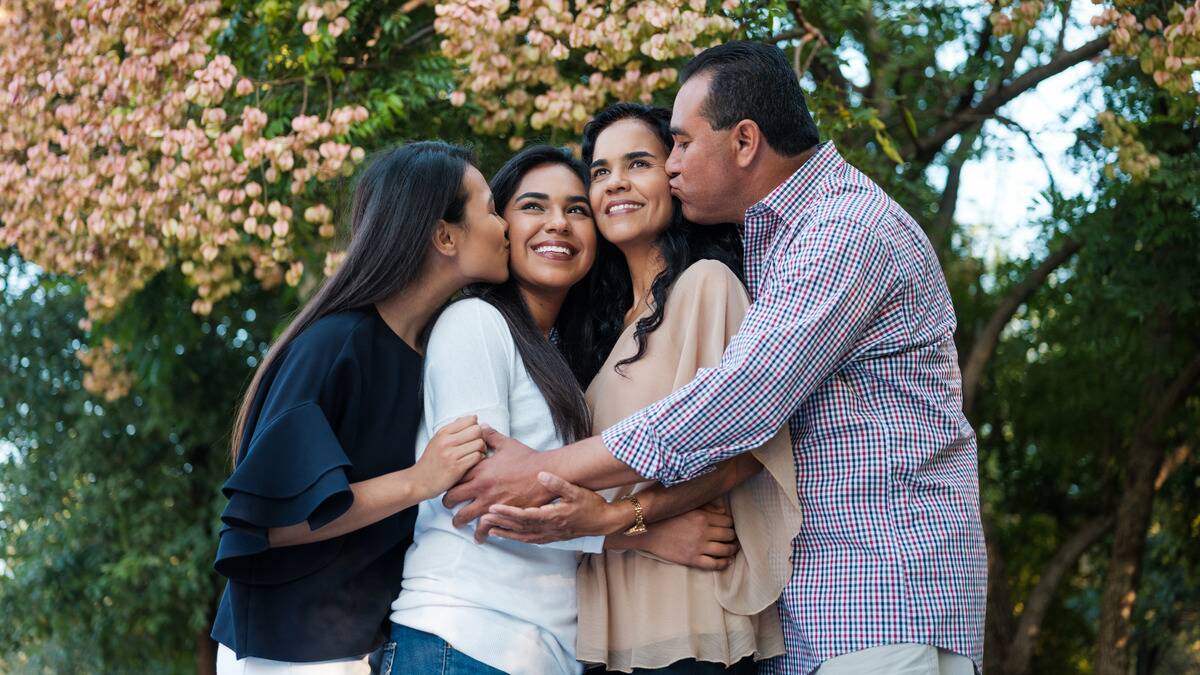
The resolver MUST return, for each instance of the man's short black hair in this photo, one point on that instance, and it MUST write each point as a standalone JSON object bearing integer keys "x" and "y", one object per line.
{"x": 754, "y": 81}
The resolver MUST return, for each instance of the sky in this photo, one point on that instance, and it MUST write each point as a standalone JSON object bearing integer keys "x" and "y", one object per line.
{"x": 1000, "y": 191}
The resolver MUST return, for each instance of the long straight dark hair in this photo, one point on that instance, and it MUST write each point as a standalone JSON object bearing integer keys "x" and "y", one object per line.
{"x": 398, "y": 200}
{"x": 545, "y": 364}
{"x": 591, "y": 328}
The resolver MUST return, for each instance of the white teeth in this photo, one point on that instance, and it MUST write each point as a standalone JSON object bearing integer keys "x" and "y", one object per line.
{"x": 553, "y": 249}
{"x": 624, "y": 208}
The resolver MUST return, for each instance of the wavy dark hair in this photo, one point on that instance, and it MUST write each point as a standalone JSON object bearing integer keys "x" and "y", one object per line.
{"x": 593, "y": 323}
{"x": 398, "y": 200}
{"x": 546, "y": 365}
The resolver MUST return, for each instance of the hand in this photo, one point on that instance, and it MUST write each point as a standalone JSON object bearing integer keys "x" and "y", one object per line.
{"x": 509, "y": 476}
{"x": 702, "y": 538}
{"x": 579, "y": 512}
{"x": 452, "y": 451}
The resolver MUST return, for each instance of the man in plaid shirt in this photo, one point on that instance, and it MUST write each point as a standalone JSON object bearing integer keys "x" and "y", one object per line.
{"x": 850, "y": 341}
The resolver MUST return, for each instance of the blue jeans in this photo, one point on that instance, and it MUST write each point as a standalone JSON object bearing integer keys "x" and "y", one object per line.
{"x": 421, "y": 653}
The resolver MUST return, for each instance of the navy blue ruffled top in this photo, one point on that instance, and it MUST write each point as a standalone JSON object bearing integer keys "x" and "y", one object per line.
{"x": 340, "y": 405}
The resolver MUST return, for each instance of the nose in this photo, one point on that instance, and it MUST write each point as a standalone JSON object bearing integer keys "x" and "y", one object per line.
{"x": 674, "y": 162}
{"x": 557, "y": 222}
{"x": 617, "y": 182}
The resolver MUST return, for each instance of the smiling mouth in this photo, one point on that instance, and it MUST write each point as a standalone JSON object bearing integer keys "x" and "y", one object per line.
{"x": 619, "y": 208}
{"x": 555, "y": 250}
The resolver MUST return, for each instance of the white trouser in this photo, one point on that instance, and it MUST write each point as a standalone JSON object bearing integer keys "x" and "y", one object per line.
{"x": 229, "y": 664}
{"x": 901, "y": 659}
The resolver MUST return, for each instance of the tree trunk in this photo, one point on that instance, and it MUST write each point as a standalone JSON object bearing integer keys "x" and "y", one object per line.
{"x": 1125, "y": 562}
{"x": 1147, "y": 453}
{"x": 975, "y": 361}
{"x": 1029, "y": 627}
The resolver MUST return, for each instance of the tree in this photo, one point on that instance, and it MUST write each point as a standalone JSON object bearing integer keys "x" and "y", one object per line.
{"x": 166, "y": 168}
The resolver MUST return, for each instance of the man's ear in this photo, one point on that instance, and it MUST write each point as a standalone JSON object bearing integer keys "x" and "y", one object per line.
{"x": 445, "y": 238}
{"x": 746, "y": 139}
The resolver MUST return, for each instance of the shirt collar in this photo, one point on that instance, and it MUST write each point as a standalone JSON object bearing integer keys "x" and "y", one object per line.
{"x": 789, "y": 196}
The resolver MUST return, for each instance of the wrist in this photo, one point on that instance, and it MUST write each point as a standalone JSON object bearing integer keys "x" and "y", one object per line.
{"x": 618, "y": 516}
{"x": 413, "y": 486}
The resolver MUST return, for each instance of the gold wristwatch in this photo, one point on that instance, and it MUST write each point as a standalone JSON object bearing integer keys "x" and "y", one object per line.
{"x": 639, "y": 521}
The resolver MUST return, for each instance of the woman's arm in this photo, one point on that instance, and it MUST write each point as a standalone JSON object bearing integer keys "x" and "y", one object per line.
{"x": 580, "y": 512}
{"x": 702, "y": 538}
{"x": 450, "y": 453}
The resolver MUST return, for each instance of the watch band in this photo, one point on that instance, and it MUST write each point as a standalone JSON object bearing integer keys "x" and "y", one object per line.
{"x": 639, "y": 520}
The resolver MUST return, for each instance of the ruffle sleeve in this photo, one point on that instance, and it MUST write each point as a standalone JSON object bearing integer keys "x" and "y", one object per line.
{"x": 293, "y": 471}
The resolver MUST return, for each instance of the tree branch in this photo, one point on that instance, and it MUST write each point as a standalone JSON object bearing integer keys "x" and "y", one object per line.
{"x": 1175, "y": 393}
{"x": 940, "y": 230}
{"x": 1029, "y": 626}
{"x": 928, "y": 147}
{"x": 985, "y": 343}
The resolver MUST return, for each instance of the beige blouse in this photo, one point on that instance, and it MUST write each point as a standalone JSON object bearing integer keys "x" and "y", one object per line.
{"x": 637, "y": 611}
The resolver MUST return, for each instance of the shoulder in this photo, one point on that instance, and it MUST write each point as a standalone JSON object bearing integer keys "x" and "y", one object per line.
{"x": 330, "y": 334}
{"x": 471, "y": 320}
{"x": 707, "y": 278}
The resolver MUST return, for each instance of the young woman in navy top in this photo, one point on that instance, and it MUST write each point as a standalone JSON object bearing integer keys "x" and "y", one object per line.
{"x": 319, "y": 512}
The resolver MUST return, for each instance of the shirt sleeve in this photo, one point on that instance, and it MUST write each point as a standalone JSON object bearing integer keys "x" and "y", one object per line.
{"x": 292, "y": 470}
{"x": 827, "y": 288}
{"x": 469, "y": 363}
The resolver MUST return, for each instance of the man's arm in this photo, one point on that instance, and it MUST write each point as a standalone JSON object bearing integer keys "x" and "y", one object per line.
{"x": 829, "y": 288}
{"x": 579, "y": 512}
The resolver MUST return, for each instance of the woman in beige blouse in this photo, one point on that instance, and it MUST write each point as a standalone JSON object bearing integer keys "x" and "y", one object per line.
{"x": 661, "y": 307}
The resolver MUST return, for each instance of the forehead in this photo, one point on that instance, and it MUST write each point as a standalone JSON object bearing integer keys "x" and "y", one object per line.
{"x": 689, "y": 102}
{"x": 475, "y": 183}
{"x": 625, "y": 136}
{"x": 554, "y": 180}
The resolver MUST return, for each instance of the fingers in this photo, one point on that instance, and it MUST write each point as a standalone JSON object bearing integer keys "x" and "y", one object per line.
{"x": 493, "y": 438}
{"x": 482, "y": 529}
{"x": 718, "y": 519}
{"x": 459, "y": 424}
{"x": 476, "y": 448}
{"x": 458, "y": 494}
{"x": 721, "y": 534}
{"x": 470, "y": 511}
{"x": 467, "y": 435}
{"x": 719, "y": 550}
{"x": 494, "y": 520}
{"x": 518, "y": 536}
{"x": 716, "y": 506}
{"x": 534, "y": 514}
{"x": 707, "y": 562}
{"x": 559, "y": 486}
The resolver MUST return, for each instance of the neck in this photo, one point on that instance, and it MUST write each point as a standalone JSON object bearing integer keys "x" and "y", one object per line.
{"x": 772, "y": 171}
{"x": 408, "y": 312}
{"x": 645, "y": 263}
{"x": 543, "y": 305}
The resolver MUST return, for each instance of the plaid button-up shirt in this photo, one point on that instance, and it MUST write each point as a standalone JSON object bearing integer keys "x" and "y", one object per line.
{"x": 850, "y": 341}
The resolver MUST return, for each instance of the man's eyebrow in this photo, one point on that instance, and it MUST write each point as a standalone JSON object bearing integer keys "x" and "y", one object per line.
{"x": 599, "y": 162}
{"x": 676, "y": 131}
{"x": 534, "y": 195}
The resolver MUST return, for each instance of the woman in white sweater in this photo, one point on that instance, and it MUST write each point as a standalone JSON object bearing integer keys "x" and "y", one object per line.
{"x": 504, "y": 606}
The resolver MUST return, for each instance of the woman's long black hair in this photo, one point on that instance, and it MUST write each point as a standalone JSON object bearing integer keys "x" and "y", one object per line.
{"x": 596, "y": 313}
{"x": 545, "y": 364}
{"x": 398, "y": 200}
